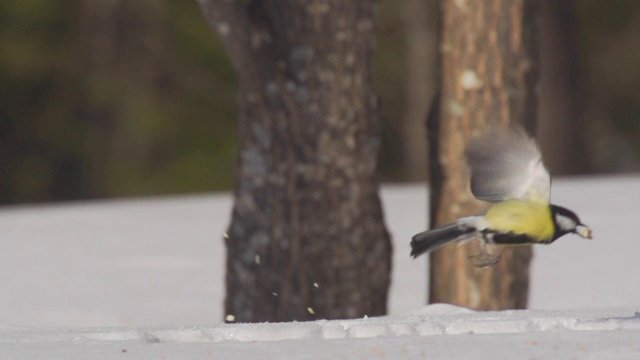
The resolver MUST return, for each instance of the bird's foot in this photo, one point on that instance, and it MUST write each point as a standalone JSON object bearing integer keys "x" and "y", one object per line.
{"x": 485, "y": 260}
{"x": 489, "y": 255}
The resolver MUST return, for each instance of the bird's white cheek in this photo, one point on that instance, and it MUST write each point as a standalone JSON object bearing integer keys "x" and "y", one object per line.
{"x": 565, "y": 223}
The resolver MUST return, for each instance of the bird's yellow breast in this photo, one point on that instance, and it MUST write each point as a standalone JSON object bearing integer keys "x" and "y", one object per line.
{"x": 522, "y": 217}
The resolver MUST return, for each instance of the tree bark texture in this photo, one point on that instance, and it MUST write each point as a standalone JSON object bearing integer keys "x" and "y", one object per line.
{"x": 307, "y": 238}
{"x": 489, "y": 72}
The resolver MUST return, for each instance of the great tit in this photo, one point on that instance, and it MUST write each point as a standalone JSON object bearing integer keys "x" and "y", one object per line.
{"x": 506, "y": 169}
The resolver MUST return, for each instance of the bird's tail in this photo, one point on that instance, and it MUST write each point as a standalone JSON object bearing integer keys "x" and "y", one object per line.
{"x": 432, "y": 239}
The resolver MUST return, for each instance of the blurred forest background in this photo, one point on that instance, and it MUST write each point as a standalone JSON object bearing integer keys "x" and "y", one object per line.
{"x": 113, "y": 98}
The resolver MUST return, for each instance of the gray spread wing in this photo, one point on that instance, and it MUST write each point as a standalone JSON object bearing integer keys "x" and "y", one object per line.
{"x": 507, "y": 165}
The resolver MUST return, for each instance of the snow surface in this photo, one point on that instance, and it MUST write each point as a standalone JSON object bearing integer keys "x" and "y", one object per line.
{"x": 436, "y": 331}
{"x": 143, "y": 278}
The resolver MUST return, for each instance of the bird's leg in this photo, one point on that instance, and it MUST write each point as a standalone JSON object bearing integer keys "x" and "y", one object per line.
{"x": 490, "y": 253}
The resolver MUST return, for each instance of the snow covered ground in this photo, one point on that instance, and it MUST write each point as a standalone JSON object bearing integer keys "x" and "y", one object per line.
{"x": 143, "y": 278}
{"x": 435, "y": 332}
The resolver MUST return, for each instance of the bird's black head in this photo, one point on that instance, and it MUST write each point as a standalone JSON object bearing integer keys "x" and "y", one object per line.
{"x": 567, "y": 221}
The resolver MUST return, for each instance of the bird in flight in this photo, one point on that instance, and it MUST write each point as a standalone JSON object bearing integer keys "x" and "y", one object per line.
{"x": 507, "y": 170}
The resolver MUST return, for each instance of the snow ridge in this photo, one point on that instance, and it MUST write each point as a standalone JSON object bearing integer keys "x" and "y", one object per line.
{"x": 431, "y": 320}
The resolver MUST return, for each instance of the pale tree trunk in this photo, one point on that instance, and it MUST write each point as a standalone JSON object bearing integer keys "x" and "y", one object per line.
{"x": 307, "y": 238}
{"x": 489, "y": 72}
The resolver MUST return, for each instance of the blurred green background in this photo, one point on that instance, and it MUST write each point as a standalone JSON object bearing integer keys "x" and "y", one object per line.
{"x": 102, "y": 98}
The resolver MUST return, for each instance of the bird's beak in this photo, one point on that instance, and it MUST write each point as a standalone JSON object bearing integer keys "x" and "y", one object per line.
{"x": 584, "y": 231}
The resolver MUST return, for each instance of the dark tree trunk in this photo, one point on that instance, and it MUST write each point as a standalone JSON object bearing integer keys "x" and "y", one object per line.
{"x": 489, "y": 72}
{"x": 560, "y": 132}
{"x": 419, "y": 19}
{"x": 307, "y": 238}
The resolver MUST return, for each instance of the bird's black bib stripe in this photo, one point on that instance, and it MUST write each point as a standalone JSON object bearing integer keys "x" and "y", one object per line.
{"x": 511, "y": 238}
